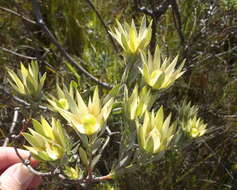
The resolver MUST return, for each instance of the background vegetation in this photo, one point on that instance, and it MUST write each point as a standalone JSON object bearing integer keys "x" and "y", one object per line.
{"x": 202, "y": 31}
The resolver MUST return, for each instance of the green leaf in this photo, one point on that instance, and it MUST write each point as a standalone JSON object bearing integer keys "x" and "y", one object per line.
{"x": 83, "y": 157}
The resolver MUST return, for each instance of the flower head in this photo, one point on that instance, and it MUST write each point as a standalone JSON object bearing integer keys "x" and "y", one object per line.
{"x": 186, "y": 111}
{"x": 48, "y": 142}
{"x": 131, "y": 40}
{"x": 195, "y": 127}
{"x": 156, "y": 133}
{"x": 157, "y": 75}
{"x": 84, "y": 119}
{"x": 28, "y": 83}
{"x": 73, "y": 173}
{"x": 137, "y": 103}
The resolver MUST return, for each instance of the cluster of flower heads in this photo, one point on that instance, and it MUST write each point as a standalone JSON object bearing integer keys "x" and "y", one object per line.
{"x": 50, "y": 142}
{"x": 154, "y": 134}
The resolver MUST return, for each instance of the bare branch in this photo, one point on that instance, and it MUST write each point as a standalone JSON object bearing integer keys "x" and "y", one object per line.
{"x": 15, "y": 118}
{"x": 26, "y": 162}
{"x": 17, "y": 14}
{"x": 177, "y": 21}
{"x": 19, "y": 100}
{"x": 40, "y": 21}
{"x": 103, "y": 23}
{"x": 18, "y": 54}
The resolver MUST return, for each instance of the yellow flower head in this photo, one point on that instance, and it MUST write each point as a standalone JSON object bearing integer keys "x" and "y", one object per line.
{"x": 48, "y": 143}
{"x": 131, "y": 40}
{"x": 195, "y": 127}
{"x": 73, "y": 173}
{"x": 157, "y": 75}
{"x": 137, "y": 103}
{"x": 156, "y": 132}
{"x": 28, "y": 83}
{"x": 85, "y": 119}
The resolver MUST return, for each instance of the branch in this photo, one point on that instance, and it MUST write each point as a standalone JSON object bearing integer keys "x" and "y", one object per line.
{"x": 57, "y": 172}
{"x": 19, "y": 100}
{"x": 15, "y": 118}
{"x": 155, "y": 13}
{"x": 177, "y": 21}
{"x": 40, "y": 21}
{"x": 26, "y": 162}
{"x": 103, "y": 23}
{"x": 18, "y": 54}
{"x": 17, "y": 14}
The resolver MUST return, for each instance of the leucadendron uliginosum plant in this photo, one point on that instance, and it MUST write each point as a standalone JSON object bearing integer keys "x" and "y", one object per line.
{"x": 143, "y": 131}
{"x": 195, "y": 127}
{"x": 132, "y": 42}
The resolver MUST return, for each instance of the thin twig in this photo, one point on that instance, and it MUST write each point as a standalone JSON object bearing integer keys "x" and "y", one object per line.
{"x": 26, "y": 162}
{"x": 40, "y": 21}
{"x": 155, "y": 14}
{"x": 153, "y": 35}
{"x": 103, "y": 178}
{"x": 17, "y": 14}
{"x": 195, "y": 63}
{"x": 57, "y": 172}
{"x": 18, "y": 54}
{"x": 177, "y": 21}
{"x": 103, "y": 24}
{"x": 19, "y": 100}
{"x": 15, "y": 118}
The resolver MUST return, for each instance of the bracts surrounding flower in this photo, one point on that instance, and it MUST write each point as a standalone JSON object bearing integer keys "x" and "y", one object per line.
{"x": 137, "y": 103}
{"x": 28, "y": 82}
{"x": 84, "y": 119}
{"x": 48, "y": 142}
{"x": 194, "y": 127}
{"x": 131, "y": 40}
{"x": 156, "y": 132}
{"x": 159, "y": 75}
